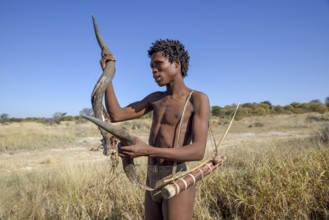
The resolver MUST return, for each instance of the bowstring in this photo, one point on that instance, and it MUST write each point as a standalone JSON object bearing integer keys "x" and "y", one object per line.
{"x": 215, "y": 144}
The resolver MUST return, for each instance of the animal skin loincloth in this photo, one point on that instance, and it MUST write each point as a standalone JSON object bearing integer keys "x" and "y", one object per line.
{"x": 156, "y": 173}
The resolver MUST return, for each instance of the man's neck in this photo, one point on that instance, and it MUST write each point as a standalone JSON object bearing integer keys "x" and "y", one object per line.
{"x": 177, "y": 88}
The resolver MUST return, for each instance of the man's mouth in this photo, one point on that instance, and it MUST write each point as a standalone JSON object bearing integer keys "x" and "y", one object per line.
{"x": 157, "y": 78}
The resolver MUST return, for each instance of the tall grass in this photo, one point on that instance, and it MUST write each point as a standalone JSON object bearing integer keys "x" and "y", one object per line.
{"x": 73, "y": 192}
{"x": 283, "y": 180}
{"x": 277, "y": 180}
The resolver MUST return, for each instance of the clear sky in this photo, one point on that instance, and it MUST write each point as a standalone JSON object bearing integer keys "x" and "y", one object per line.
{"x": 241, "y": 50}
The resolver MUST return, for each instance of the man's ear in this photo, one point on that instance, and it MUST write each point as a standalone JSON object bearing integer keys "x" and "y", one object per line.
{"x": 177, "y": 63}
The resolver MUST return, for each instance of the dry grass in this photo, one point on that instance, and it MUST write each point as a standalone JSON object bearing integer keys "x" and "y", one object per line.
{"x": 84, "y": 191}
{"x": 278, "y": 171}
{"x": 36, "y": 136}
{"x": 275, "y": 180}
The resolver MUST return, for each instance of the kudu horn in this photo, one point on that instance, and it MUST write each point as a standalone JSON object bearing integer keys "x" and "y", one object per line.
{"x": 101, "y": 118}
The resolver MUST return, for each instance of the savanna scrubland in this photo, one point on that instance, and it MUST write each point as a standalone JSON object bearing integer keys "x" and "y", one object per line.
{"x": 277, "y": 168}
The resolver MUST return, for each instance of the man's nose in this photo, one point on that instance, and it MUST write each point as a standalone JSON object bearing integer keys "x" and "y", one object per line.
{"x": 154, "y": 70}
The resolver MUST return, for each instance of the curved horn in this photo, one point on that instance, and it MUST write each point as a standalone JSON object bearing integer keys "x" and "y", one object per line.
{"x": 99, "y": 90}
{"x": 122, "y": 135}
{"x": 101, "y": 115}
{"x": 99, "y": 37}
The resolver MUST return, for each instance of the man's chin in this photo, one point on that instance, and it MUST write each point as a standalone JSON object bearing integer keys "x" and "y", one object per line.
{"x": 160, "y": 84}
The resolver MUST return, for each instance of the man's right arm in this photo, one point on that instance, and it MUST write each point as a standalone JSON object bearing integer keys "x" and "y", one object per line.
{"x": 133, "y": 110}
{"x": 113, "y": 107}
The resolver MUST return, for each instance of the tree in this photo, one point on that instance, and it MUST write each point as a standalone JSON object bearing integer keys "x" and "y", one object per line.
{"x": 267, "y": 103}
{"x": 4, "y": 118}
{"x": 296, "y": 104}
{"x": 58, "y": 117}
{"x": 265, "y": 107}
{"x": 87, "y": 111}
{"x": 316, "y": 101}
{"x": 278, "y": 109}
{"x": 318, "y": 107}
{"x": 215, "y": 110}
{"x": 297, "y": 108}
{"x": 326, "y": 101}
{"x": 250, "y": 108}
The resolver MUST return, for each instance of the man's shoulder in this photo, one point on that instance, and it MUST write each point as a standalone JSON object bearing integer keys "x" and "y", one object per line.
{"x": 154, "y": 96}
{"x": 199, "y": 95}
{"x": 199, "y": 100}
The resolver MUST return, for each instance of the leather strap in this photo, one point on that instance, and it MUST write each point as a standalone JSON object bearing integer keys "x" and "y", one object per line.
{"x": 179, "y": 131}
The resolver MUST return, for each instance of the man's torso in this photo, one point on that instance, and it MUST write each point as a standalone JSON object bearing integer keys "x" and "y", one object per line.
{"x": 167, "y": 112}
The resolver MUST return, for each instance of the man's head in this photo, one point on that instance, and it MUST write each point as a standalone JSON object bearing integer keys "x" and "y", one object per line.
{"x": 173, "y": 50}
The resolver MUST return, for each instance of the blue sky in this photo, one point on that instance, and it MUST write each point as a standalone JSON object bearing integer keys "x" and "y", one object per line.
{"x": 241, "y": 51}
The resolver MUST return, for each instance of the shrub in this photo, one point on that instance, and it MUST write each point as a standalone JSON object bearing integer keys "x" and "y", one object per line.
{"x": 322, "y": 135}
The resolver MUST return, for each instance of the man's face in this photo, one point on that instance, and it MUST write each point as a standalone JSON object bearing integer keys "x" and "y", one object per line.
{"x": 163, "y": 71}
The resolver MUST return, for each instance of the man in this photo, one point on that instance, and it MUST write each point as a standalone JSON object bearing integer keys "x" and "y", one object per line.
{"x": 171, "y": 140}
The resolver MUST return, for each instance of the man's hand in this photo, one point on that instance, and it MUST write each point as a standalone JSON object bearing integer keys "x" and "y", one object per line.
{"x": 137, "y": 150}
{"x": 105, "y": 58}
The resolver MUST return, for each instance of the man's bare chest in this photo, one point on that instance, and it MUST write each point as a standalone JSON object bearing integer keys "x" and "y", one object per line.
{"x": 169, "y": 111}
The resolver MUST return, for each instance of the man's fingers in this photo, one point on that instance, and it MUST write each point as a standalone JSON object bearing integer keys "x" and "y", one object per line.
{"x": 102, "y": 64}
{"x": 122, "y": 155}
{"x": 108, "y": 57}
{"x": 105, "y": 59}
{"x": 125, "y": 149}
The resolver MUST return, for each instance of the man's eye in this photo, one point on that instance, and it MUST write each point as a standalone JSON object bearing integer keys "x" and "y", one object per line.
{"x": 156, "y": 65}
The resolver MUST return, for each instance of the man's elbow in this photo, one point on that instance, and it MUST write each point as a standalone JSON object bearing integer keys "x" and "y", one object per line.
{"x": 115, "y": 118}
{"x": 199, "y": 156}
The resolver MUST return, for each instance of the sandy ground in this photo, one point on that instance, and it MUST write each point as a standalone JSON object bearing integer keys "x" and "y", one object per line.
{"x": 27, "y": 160}
{"x": 80, "y": 152}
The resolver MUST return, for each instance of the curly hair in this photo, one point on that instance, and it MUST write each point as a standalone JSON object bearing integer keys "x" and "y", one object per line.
{"x": 173, "y": 50}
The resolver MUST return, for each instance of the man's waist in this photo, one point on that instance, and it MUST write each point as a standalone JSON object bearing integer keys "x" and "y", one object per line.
{"x": 161, "y": 162}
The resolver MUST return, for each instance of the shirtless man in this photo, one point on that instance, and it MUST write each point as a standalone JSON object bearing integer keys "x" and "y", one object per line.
{"x": 169, "y": 65}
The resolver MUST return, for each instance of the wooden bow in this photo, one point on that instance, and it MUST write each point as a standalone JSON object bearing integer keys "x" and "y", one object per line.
{"x": 179, "y": 183}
